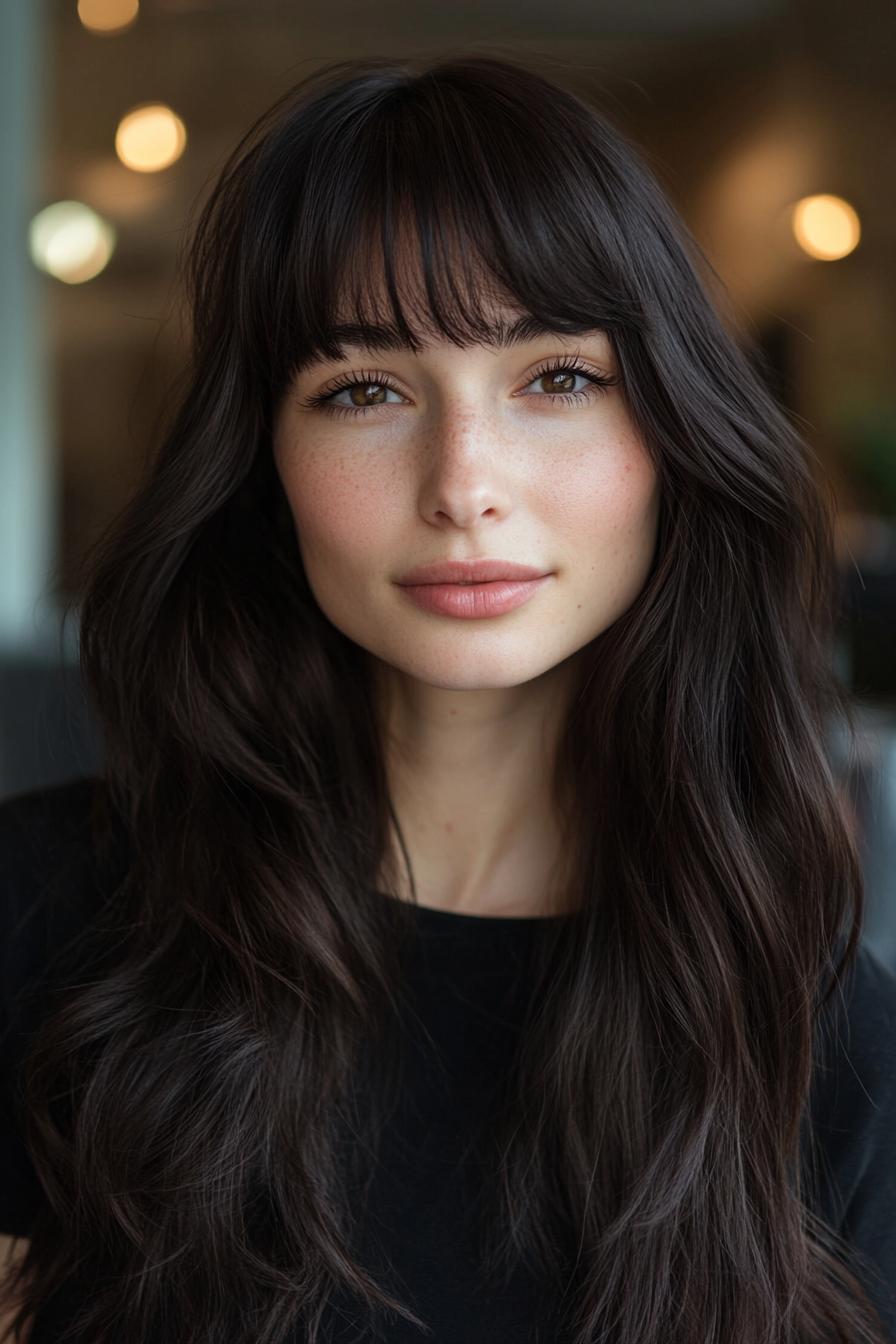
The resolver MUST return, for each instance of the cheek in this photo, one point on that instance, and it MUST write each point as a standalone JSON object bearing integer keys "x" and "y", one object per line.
{"x": 610, "y": 512}
{"x": 340, "y": 515}
{"x": 612, "y": 497}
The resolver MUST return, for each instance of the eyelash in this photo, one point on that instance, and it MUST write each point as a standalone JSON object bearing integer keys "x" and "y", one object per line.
{"x": 600, "y": 381}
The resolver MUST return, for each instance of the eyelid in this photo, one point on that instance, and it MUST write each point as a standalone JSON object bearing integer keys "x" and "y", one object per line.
{"x": 572, "y": 360}
{"x": 342, "y": 380}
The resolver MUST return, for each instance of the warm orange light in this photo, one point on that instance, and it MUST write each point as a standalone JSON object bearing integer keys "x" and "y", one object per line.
{"x": 108, "y": 16}
{"x": 826, "y": 227}
{"x": 151, "y": 137}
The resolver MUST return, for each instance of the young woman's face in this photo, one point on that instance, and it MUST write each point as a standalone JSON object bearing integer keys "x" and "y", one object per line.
{"x": 465, "y": 454}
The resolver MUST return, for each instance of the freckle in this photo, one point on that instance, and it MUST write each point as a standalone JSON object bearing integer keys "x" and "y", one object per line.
{"x": 449, "y": 827}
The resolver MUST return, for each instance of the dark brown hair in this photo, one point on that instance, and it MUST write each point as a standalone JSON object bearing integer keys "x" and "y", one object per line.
{"x": 646, "y": 1136}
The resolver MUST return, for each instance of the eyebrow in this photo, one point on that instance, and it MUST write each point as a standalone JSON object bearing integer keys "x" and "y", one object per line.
{"x": 500, "y": 335}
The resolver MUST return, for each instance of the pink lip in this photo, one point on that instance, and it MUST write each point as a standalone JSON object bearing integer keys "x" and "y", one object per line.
{"x": 474, "y": 601}
{"x": 470, "y": 571}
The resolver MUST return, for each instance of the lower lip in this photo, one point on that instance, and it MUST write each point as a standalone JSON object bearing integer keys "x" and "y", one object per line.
{"x": 473, "y": 601}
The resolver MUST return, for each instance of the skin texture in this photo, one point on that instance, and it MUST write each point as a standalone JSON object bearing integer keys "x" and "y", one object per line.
{"x": 472, "y": 455}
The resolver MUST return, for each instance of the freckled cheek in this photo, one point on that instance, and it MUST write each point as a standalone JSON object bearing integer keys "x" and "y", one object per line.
{"x": 340, "y": 518}
{"x": 607, "y": 527}
{"x": 612, "y": 500}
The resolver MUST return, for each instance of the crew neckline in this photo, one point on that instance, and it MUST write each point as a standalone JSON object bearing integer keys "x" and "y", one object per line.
{"x": 436, "y": 915}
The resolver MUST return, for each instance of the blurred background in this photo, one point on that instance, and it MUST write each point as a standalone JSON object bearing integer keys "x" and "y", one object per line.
{"x": 770, "y": 125}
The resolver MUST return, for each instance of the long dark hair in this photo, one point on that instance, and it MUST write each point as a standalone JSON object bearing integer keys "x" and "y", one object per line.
{"x": 646, "y": 1136}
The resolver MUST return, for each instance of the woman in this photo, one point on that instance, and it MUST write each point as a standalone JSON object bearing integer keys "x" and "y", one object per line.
{"x": 461, "y": 952}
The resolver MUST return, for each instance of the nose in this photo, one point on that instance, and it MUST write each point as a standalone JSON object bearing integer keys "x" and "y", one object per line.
{"x": 464, "y": 475}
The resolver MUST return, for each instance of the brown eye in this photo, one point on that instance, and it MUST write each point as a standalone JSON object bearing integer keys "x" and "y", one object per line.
{"x": 365, "y": 393}
{"x": 560, "y": 380}
{"x": 358, "y": 393}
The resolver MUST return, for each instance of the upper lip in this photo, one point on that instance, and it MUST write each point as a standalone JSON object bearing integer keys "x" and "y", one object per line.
{"x": 470, "y": 571}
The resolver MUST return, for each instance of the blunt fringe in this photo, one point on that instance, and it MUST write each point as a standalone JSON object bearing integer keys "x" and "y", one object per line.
{"x": 204, "y": 1104}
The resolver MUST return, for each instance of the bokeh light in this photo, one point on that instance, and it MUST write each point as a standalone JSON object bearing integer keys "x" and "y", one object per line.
{"x": 108, "y": 16}
{"x": 826, "y": 227}
{"x": 151, "y": 137}
{"x": 70, "y": 241}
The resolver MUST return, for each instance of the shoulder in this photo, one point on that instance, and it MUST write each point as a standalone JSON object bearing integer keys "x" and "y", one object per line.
{"x": 853, "y": 1120}
{"x": 854, "y": 1083}
{"x": 37, "y": 825}
{"x": 50, "y": 881}
{"x": 855, "y": 1075}
{"x": 50, "y": 874}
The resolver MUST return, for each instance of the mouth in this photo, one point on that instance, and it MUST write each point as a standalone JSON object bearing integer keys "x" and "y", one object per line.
{"x": 474, "y": 601}
{"x": 467, "y": 573}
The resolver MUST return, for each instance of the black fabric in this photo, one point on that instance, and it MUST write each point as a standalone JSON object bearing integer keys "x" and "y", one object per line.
{"x": 465, "y": 994}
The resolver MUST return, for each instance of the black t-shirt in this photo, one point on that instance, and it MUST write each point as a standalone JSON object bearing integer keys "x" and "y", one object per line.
{"x": 466, "y": 988}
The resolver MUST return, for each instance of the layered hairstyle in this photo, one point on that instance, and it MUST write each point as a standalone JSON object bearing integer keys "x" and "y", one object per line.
{"x": 225, "y": 1068}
